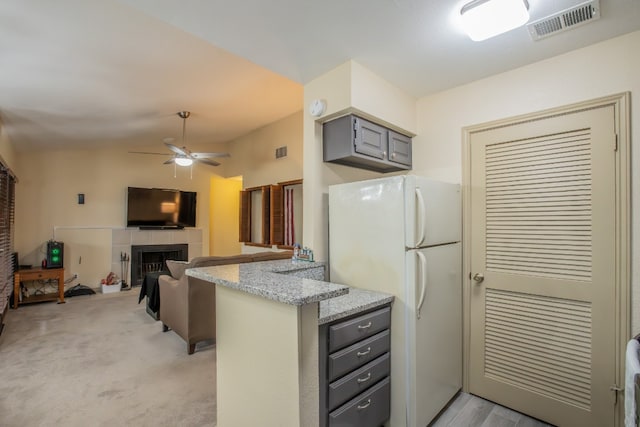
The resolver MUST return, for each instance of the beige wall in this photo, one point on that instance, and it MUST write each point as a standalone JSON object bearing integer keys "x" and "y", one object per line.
{"x": 253, "y": 159}
{"x": 603, "y": 69}
{"x": 46, "y": 195}
{"x": 348, "y": 88}
{"x": 253, "y": 155}
{"x": 49, "y": 181}
{"x": 224, "y": 216}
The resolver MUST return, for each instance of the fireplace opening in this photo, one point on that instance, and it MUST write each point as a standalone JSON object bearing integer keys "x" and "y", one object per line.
{"x": 152, "y": 258}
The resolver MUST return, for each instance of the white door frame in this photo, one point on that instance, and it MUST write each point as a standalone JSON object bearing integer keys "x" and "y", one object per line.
{"x": 621, "y": 104}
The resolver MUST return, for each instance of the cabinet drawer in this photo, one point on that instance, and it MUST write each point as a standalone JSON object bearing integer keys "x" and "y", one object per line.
{"x": 32, "y": 276}
{"x": 350, "y": 331}
{"x": 358, "y": 354}
{"x": 371, "y": 408}
{"x": 359, "y": 380}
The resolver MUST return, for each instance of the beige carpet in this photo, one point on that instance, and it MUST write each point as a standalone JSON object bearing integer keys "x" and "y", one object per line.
{"x": 100, "y": 360}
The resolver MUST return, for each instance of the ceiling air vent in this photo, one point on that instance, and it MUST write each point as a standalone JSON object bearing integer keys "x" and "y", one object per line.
{"x": 565, "y": 20}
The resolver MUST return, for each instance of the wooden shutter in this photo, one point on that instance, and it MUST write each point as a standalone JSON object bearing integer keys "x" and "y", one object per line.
{"x": 277, "y": 216}
{"x": 266, "y": 209}
{"x": 245, "y": 216}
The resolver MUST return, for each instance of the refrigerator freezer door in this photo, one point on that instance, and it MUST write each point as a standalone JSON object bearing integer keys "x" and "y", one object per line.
{"x": 366, "y": 234}
{"x": 434, "y": 343}
{"x": 433, "y": 212}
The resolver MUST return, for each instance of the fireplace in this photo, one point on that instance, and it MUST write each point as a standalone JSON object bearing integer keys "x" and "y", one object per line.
{"x": 151, "y": 258}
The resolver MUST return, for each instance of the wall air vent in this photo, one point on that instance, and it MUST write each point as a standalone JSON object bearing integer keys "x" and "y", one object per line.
{"x": 565, "y": 20}
{"x": 281, "y": 152}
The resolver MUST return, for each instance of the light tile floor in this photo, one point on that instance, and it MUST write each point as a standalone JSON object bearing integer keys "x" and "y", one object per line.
{"x": 467, "y": 410}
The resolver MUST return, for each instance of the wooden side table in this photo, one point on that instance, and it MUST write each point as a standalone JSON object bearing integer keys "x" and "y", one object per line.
{"x": 38, "y": 274}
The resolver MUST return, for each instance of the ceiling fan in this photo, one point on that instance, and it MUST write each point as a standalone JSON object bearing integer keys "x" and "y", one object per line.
{"x": 182, "y": 156}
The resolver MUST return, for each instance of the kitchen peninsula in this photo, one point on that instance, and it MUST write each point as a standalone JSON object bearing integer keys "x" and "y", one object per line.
{"x": 268, "y": 316}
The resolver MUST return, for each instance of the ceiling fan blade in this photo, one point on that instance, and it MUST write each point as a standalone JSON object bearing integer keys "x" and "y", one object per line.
{"x": 176, "y": 149}
{"x": 209, "y": 155}
{"x": 168, "y": 162}
{"x": 207, "y": 162}
{"x": 149, "y": 152}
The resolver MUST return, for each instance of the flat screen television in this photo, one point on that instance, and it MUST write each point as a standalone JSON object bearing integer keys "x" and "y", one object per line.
{"x": 160, "y": 208}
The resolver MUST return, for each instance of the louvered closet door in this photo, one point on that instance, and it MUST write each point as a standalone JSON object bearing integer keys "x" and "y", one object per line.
{"x": 543, "y": 236}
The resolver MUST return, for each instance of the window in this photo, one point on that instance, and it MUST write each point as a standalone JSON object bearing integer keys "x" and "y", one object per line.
{"x": 272, "y": 214}
{"x": 255, "y": 216}
{"x": 290, "y": 218}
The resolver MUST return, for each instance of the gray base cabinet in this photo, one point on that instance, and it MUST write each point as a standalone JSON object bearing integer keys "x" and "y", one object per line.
{"x": 354, "y": 141}
{"x": 355, "y": 367}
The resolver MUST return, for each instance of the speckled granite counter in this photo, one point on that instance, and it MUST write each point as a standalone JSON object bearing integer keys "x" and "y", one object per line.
{"x": 295, "y": 283}
{"x": 267, "y": 339}
{"x": 355, "y": 301}
{"x": 286, "y": 281}
{"x": 274, "y": 305}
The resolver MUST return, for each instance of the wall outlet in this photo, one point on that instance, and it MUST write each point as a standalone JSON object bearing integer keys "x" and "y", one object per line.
{"x": 76, "y": 276}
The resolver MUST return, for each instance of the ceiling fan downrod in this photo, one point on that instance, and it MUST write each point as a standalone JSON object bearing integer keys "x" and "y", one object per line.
{"x": 184, "y": 115}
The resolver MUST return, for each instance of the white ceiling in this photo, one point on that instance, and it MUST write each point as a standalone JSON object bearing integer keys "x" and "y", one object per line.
{"x": 95, "y": 72}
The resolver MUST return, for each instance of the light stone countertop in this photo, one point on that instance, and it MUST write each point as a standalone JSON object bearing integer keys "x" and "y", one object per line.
{"x": 282, "y": 280}
{"x": 355, "y": 301}
{"x": 292, "y": 282}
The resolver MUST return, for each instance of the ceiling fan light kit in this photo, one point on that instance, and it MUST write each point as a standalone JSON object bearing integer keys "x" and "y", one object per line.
{"x": 183, "y": 161}
{"x": 483, "y": 19}
{"x": 183, "y": 156}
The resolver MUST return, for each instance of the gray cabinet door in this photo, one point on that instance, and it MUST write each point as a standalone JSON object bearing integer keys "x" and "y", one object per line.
{"x": 369, "y": 139}
{"x": 399, "y": 148}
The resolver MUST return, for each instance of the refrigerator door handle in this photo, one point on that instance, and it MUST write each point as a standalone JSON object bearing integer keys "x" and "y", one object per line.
{"x": 421, "y": 214}
{"x": 423, "y": 282}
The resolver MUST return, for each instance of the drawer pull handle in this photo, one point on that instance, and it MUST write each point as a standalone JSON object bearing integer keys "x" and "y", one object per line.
{"x": 364, "y": 353}
{"x": 365, "y": 406}
{"x": 367, "y": 326}
{"x": 365, "y": 379}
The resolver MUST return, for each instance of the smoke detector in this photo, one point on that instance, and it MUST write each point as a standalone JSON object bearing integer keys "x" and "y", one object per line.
{"x": 564, "y": 20}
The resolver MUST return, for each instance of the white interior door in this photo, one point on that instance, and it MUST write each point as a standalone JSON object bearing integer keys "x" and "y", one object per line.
{"x": 543, "y": 243}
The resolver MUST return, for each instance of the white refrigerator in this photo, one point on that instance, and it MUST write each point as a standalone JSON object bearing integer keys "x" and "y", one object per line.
{"x": 401, "y": 235}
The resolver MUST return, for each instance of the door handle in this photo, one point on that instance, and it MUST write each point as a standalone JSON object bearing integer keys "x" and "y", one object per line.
{"x": 423, "y": 282}
{"x": 365, "y": 379}
{"x": 364, "y": 353}
{"x": 420, "y": 212}
{"x": 365, "y": 405}
{"x": 367, "y": 326}
{"x": 478, "y": 278}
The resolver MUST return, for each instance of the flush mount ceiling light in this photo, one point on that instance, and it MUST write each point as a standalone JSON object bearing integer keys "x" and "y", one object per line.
{"x": 483, "y": 19}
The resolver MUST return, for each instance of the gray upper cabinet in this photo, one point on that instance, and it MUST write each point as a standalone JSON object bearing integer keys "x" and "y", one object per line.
{"x": 354, "y": 141}
{"x": 369, "y": 139}
{"x": 399, "y": 148}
